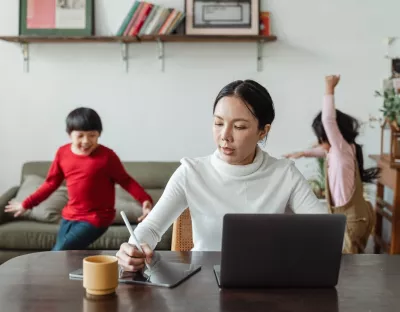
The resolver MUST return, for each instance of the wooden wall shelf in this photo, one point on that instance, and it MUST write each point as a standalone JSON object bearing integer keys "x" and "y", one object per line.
{"x": 24, "y": 41}
{"x": 164, "y": 38}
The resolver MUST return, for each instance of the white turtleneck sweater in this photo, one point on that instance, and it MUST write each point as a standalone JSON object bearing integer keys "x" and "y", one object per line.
{"x": 210, "y": 187}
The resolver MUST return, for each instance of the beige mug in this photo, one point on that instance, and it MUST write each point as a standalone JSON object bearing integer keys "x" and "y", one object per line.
{"x": 100, "y": 275}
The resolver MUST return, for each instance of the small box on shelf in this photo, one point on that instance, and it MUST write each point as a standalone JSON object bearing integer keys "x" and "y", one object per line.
{"x": 265, "y": 24}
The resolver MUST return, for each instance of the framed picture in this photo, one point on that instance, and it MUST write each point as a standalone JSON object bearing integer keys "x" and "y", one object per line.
{"x": 396, "y": 67}
{"x": 222, "y": 17}
{"x": 56, "y": 17}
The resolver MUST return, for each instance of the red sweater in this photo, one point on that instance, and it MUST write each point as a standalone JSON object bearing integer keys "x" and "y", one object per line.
{"x": 91, "y": 185}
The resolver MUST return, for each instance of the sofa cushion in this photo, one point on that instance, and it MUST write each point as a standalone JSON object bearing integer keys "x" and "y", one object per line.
{"x": 4, "y": 199}
{"x": 31, "y": 235}
{"x": 118, "y": 234}
{"x": 132, "y": 208}
{"x": 49, "y": 210}
{"x": 26, "y": 235}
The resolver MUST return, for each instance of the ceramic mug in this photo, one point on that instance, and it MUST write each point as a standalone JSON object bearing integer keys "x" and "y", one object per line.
{"x": 100, "y": 275}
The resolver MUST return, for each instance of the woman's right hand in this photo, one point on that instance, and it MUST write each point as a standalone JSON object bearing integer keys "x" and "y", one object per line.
{"x": 131, "y": 259}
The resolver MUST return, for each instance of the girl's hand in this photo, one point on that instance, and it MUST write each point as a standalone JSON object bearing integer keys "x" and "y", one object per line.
{"x": 331, "y": 82}
{"x": 131, "y": 259}
{"x": 146, "y": 208}
{"x": 325, "y": 146}
{"x": 295, "y": 155}
{"x": 15, "y": 207}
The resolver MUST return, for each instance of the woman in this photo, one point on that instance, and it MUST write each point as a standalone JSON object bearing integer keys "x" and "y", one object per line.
{"x": 237, "y": 178}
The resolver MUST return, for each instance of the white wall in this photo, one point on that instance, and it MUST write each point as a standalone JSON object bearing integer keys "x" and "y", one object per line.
{"x": 150, "y": 115}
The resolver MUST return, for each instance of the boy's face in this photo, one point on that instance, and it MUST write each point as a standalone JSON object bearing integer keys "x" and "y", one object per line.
{"x": 84, "y": 142}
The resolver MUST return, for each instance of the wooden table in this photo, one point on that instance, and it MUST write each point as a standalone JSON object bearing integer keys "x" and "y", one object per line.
{"x": 39, "y": 282}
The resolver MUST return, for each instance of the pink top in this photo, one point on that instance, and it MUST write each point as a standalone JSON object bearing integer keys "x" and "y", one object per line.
{"x": 340, "y": 158}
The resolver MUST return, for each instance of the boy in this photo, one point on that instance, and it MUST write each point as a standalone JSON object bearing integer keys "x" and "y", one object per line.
{"x": 91, "y": 171}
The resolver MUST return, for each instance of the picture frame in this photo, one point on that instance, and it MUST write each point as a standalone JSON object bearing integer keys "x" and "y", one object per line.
{"x": 396, "y": 67}
{"x": 222, "y": 17}
{"x": 56, "y": 18}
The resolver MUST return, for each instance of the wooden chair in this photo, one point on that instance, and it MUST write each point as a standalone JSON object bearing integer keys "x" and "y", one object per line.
{"x": 182, "y": 239}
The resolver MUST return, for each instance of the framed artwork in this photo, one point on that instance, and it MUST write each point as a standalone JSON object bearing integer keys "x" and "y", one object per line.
{"x": 222, "y": 17}
{"x": 396, "y": 67}
{"x": 56, "y": 17}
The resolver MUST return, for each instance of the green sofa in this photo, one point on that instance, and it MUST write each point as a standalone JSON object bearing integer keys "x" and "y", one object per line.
{"x": 37, "y": 229}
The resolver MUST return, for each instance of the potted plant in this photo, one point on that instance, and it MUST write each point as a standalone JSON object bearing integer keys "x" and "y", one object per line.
{"x": 391, "y": 106}
{"x": 317, "y": 182}
{"x": 391, "y": 115}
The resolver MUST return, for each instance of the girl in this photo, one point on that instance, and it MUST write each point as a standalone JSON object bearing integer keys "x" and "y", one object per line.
{"x": 336, "y": 133}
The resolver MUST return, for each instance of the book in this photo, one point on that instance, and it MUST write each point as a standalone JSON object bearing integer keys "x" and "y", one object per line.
{"x": 127, "y": 18}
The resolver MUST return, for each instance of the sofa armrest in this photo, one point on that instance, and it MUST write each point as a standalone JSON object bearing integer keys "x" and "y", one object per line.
{"x": 4, "y": 199}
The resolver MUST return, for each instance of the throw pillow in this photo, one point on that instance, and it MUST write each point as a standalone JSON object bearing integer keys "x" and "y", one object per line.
{"x": 49, "y": 211}
{"x": 132, "y": 208}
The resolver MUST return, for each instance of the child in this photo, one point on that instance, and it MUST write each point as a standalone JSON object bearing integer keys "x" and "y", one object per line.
{"x": 91, "y": 171}
{"x": 336, "y": 133}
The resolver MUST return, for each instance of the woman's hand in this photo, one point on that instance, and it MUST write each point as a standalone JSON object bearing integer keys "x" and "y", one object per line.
{"x": 131, "y": 259}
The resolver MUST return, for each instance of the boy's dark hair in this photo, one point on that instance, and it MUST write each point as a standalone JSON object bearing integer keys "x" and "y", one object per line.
{"x": 349, "y": 128}
{"x": 83, "y": 119}
{"x": 256, "y": 98}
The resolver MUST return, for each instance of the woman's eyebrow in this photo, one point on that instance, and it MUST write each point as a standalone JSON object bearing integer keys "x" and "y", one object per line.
{"x": 236, "y": 119}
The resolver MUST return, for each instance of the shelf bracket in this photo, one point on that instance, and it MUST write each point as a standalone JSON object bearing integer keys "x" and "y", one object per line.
{"x": 260, "y": 45}
{"x": 161, "y": 55}
{"x": 25, "y": 55}
{"x": 125, "y": 55}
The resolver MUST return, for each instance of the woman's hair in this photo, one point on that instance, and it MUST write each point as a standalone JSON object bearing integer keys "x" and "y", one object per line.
{"x": 83, "y": 119}
{"x": 349, "y": 128}
{"x": 254, "y": 96}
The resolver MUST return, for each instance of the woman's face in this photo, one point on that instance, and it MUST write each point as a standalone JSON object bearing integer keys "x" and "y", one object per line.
{"x": 236, "y": 131}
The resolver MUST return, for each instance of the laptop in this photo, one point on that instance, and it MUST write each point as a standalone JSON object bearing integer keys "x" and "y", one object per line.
{"x": 281, "y": 250}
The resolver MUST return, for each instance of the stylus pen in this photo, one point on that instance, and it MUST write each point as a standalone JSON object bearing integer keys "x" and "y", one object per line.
{"x": 135, "y": 240}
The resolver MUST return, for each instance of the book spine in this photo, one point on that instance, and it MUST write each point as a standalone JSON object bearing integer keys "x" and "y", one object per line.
{"x": 134, "y": 17}
{"x": 141, "y": 19}
{"x": 127, "y": 18}
{"x": 148, "y": 20}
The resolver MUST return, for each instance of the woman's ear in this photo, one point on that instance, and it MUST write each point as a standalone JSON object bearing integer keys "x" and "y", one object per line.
{"x": 264, "y": 132}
